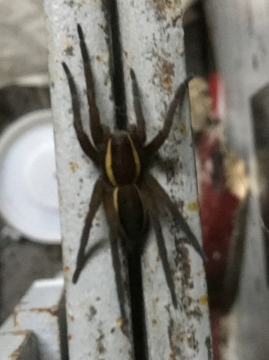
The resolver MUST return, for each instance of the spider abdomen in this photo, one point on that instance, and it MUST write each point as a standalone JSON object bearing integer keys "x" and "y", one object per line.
{"x": 132, "y": 216}
{"x": 122, "y": 163}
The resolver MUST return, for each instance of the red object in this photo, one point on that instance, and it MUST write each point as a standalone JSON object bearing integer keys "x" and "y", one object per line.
{"x": 217, "y": 210}
{"x": 214, "y": 91}
{"x": 217, "y": 207}
{"x": 217, "y": 215}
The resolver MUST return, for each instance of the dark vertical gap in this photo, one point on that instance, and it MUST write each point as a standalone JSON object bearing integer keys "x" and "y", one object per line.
{"x": 63, "y": 329}
{"x": 236, "y": 257}
{"x": 260, "y": 113}
{"x": 137, "y": 306}
{"x": 199, "y": 54}
{"x": 121, "y": 122}
{"x": 116, "y": 63}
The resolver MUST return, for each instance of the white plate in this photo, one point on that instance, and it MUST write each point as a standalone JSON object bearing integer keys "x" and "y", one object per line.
{"x": 28, "y": 186}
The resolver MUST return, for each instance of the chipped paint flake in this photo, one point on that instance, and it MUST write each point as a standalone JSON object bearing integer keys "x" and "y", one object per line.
{"x": 119, "y": 322}
{"x": 166, "y": 74}
{"x": 73, "y": 166}
{"x": 182, "y": 128}
{"x": 193, "y": 206}
{"x": 204, "y": 300}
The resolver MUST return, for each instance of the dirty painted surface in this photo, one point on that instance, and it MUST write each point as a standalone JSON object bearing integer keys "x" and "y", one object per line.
{"x": 18, "y": 345}
{"x": 40, "y": 310}
{"x": 153, "y": 46}
{"x": 93, "y": 315}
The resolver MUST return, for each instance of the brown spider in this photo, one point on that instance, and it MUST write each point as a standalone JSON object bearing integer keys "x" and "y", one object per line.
{"x": 130, "y": 194}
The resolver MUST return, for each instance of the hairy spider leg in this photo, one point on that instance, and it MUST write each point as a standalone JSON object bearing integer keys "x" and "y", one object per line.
{"x": 83, "y": 139}
{"x": 152, "y": 209}
{"x": 113, "y": 221}
{"x": 90, "y": 253}
{"x": 163, "y": 198}
{"x": 140, "y": 120}
{"x": 95, "y": 202}
{"x": 160, "y": 138}
{"x": 97, "y": 130}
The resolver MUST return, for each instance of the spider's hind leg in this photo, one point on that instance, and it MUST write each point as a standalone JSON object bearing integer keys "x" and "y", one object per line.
{"x": 151, "y": 208}
{"x": 163, "y": 198}
{"x": 94, "y": 205}
{"x": 113, "y": 222}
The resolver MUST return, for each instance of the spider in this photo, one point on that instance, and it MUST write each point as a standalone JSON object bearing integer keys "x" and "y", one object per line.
{"x": 129, "y": 193}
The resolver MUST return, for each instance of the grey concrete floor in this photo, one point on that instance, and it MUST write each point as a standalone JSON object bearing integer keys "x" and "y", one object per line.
{"x": 22, "y": 261}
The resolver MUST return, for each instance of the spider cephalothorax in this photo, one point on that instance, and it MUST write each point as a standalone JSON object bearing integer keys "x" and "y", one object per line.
{"x": 129, "y": 193}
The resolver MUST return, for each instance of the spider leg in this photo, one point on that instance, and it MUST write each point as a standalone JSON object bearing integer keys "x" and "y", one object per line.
{"x": 163, "y": 198}
{"x": 141, "y": 127}
{"x": 112, "y": 219}
{"x": 93, "y": 250}
{"x": 95, "y": 123}
{"x": 83, "y": 139}
{"x": 153, "y": 216}
{"x": 159, "y": 139}
{"x": 94, "y": 205}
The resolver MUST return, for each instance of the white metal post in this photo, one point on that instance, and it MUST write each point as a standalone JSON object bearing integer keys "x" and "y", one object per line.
{"x": 152, "y": 42}
{"x": 93, "y": 315}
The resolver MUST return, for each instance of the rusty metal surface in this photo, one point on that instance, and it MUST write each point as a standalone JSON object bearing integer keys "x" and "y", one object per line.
{"x": 41, "y": 310}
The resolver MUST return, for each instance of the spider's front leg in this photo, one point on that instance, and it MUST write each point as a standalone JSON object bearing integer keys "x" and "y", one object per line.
{"x": 97, "y": 129}
{"x": 83, "y": 139}
{"x": 140, "y": 120}
{"x": 154, "y": 145}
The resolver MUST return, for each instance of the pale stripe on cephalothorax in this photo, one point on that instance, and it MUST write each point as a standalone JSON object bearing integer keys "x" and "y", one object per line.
{"x": 136, "y": 158}
{"x": 109, "y": 162}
